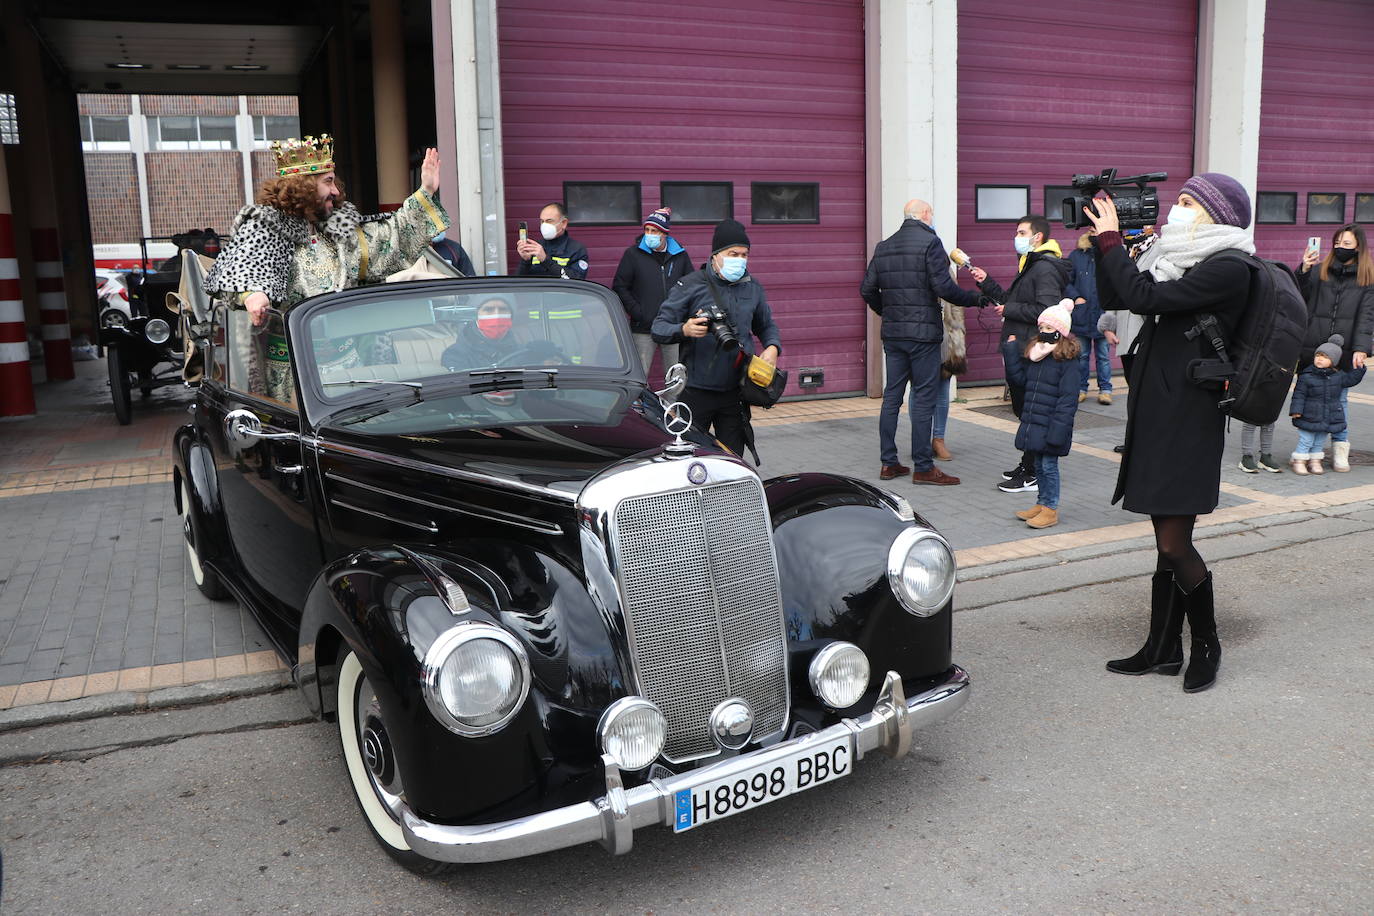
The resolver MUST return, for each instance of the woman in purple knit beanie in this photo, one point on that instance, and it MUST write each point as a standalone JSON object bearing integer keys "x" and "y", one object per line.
{"x": 1171, "y": 462}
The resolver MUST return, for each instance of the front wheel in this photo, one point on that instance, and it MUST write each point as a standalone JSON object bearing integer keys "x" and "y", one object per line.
{"x": 372, "y": 771}
{"x": 119, "y": 385}
{"x": 209, "y": 584}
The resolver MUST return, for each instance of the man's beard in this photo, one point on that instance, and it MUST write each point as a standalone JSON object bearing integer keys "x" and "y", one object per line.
{"x": 324, "y": 210}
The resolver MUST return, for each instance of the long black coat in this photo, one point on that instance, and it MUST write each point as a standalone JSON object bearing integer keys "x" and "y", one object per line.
{"x": 1336, "y": 305}
{"x": 1051, "y": 399}
{"x": 1175, "y": 432}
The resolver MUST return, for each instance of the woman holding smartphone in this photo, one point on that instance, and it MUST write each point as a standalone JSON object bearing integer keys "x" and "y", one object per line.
{"x": 1171, "y": 462}
{"x": 1340, "y": 300}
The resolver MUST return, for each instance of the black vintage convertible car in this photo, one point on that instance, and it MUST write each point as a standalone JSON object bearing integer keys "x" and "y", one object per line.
{"x": 541, "y": 609}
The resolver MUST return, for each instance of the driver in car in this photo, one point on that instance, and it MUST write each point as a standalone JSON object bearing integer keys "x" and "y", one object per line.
{"x": 487, "y": 341}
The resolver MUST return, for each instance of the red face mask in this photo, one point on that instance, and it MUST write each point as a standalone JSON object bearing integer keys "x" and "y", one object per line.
{"x": 494, "y": 327}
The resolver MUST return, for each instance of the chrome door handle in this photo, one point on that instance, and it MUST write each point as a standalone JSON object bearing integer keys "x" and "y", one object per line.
{"x": 290, "y": 468}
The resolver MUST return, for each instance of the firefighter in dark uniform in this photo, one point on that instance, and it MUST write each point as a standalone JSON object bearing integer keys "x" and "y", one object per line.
{"x": 559, "y": 254}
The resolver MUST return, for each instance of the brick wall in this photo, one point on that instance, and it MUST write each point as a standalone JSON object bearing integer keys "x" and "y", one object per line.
{"x": 264, "y": 168}
{"x": 282, "y": 105}
{"x": 193, "y": 190}
{"x": 91, "y": 104}
{"x": 112, "y": 188}
{"x": 189, "y": 104}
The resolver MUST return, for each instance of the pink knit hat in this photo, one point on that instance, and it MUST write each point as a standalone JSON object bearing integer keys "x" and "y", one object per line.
{"x": 1057, "y": 317}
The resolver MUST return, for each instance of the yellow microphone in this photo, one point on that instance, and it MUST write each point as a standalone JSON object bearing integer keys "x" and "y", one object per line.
{"x": 960, "y": 259}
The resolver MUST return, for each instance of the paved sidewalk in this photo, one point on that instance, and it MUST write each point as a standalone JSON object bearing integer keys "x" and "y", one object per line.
{"x": 96, "y": 600}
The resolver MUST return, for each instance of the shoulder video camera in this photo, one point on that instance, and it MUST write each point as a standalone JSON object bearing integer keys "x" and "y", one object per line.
{"x": 1136, "y": 204}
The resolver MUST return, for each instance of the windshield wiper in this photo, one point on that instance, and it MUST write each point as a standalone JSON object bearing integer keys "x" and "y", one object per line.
{"x": 413, "y": 386}
{"x": 515, "y": 377}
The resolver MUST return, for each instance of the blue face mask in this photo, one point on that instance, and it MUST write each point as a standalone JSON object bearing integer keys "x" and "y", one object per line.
{"x": 731, "y": 269}
{"x": 1182, "y": 216}
{"x": 1023, "y": 244}
{"x": 438, "y": 238}
{"x": 653, "y": 241}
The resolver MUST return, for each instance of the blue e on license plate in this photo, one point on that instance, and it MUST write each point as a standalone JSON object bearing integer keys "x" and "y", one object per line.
{"x": 808, "y": 766}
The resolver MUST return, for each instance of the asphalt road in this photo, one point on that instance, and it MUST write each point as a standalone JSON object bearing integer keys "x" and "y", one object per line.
{"x": 1060, "y": 788}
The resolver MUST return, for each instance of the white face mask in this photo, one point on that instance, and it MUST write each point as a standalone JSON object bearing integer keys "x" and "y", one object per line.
{"x": 1182, "y": 216}
{"x": 548, "y": 230}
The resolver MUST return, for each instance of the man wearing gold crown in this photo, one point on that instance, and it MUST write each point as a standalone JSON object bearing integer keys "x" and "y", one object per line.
{"x": 301, "y": 238}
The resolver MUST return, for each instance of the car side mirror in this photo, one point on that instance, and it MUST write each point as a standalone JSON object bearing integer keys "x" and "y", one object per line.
{"x": 674, "y": 380}
{"x": 243, "y": 429}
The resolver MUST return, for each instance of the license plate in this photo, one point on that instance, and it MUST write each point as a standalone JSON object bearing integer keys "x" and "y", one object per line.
{"x": 768, "y": 782}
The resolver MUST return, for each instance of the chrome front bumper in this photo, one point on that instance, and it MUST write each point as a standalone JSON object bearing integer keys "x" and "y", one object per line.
{"x": 612, "y": 819}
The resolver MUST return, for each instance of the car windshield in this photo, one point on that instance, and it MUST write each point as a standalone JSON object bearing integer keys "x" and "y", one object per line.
{"x": 410, "y": 338}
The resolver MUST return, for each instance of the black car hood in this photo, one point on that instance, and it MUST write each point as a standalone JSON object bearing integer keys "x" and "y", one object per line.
{"x": 547, "y": 456}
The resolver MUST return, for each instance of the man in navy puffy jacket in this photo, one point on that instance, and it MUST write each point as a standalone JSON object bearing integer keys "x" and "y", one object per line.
{"x": 906, "y": 279}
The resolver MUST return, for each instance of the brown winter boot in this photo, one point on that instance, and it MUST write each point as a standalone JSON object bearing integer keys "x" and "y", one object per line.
{"x": 1045, "y": 518}
{"x": 1026, "y": 515}
{"x": 1300, "y": 466}
{"x": 1314, "y": 466}
{"x": 938, "y": 447}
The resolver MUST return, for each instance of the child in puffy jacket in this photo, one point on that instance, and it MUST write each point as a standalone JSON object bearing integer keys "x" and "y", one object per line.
{"x": 1048, "y": 369}
{"x": 1318, "y": 408}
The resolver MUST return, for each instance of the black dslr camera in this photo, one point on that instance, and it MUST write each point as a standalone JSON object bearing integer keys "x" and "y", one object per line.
{"x": 1137, "y": 206}
{"x": 718, "y": 323}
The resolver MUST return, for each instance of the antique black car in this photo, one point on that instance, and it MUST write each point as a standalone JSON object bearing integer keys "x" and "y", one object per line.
{"x": 541, "y": 610}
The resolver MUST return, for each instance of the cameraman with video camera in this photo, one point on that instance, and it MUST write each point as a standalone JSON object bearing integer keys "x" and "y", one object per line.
{"x": 715, "y": 314}
{"x": 1171, "y": 465}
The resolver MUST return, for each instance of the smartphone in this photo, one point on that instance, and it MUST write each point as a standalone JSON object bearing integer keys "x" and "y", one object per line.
{"x": 524, "y": 230}
{"x": 1314, "y": 244}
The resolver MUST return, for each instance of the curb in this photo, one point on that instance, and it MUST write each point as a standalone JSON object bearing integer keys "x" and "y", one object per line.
{"x": 124, "y": 702}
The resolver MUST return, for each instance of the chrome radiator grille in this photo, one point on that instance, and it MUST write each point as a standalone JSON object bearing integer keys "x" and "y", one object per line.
{"x": 699, "y": 587}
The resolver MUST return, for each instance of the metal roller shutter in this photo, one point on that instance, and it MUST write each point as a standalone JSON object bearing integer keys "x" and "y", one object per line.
{"x": 1316, "y": 132}
{"x": 1045, "y": 93}
{"x": 759, "y": 91}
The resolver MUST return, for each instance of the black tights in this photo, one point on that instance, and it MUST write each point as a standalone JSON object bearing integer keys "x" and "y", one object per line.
{"x": 1174, "y": 542}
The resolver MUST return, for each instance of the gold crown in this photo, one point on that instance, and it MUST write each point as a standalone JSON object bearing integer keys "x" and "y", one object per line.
{"x": 304, "y": 157}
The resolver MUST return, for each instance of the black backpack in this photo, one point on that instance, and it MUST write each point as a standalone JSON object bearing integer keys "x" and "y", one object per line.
{"x": 1257, "y": 371}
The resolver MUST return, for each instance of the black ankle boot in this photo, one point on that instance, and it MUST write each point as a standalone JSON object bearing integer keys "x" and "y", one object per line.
{"x": 1163, "y": 649}
{"x": 1205, "y": 657}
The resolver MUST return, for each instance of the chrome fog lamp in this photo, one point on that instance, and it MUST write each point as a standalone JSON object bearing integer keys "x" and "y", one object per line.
{"x": 113, "y": 318}
{"x": 476, "y": 678}
{"x": 632, "y": 731}
{"x": 157, "y": 331}
{"x": 839, "y": 674}
{"x": 921, "y": 571}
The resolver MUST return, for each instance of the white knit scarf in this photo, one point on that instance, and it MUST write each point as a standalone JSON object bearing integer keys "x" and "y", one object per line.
{"x": 1180, "y": 247}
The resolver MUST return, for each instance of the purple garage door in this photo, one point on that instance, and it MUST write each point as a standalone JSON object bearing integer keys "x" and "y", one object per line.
{"x": 768, "y": 91}
{"x": 1316, "y": 157}
{"x": 1036, "y": 108}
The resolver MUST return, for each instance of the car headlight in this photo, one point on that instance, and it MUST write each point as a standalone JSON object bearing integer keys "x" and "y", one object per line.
{"x": 157, "y": 331}
{"x": 476, "y": 678}
{"x": 114, "y": 318}
{"x": 633, "y": 731}
{"x": 921, "y": 570}
{"x": 839, "y": 674}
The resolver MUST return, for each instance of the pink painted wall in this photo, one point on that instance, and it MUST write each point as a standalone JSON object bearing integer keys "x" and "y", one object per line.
{"x": 1316, "y": 123}
{"x": 1061, "y": 88}
{"x": 759, "y": 90}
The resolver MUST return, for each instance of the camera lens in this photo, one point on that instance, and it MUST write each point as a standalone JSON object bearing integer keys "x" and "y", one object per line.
{"x": 725, "y": 337}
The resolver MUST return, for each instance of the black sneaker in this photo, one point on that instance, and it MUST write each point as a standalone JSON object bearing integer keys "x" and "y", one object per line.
{"x": 1267, "y": 463}
{"x": 1021, "y": 483}
{"x": 1248, "y": 465}
{"x": 1018, "y": 471}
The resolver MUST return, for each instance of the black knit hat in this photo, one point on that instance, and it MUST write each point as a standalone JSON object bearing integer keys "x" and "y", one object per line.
{"x": 728, "y": 232}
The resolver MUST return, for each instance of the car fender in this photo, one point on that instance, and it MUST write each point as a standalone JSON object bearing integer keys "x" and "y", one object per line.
{"x": 389, "y": 604}
{"x": 832, "y": 535}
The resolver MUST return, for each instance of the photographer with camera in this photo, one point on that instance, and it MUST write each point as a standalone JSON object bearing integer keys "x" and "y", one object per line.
{"x": 714, "y": 314}
{"x": 1171, "y": 465}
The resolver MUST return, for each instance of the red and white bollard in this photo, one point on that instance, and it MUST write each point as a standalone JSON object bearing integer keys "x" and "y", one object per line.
{"x": 52, "y": 305}
{"x": 16, "y": 384}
